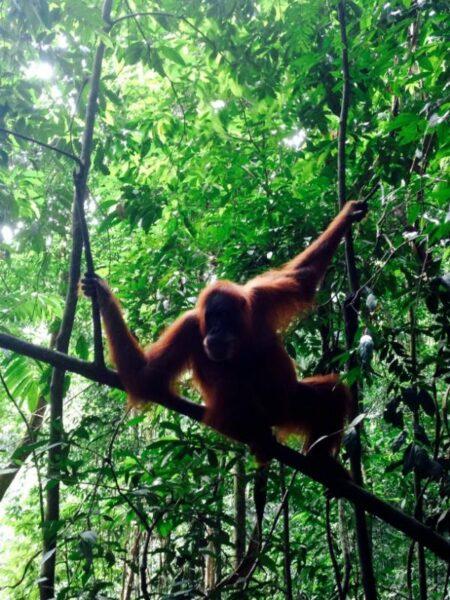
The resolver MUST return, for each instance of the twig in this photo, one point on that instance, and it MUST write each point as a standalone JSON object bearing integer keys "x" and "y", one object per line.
{"x": 27, "y": 138}
{"x": 30, "y": 435}
{"x": 149, "y": 52}
{"x": 23, "y": 450}
{"x": 24, "y": 572}
{"x": 156, "y": 13}
{"x": 105, "y": 460}
{"x": 108, "y": 461}
{"x": 373, "y": 190}
{"x": 142, "y": 517}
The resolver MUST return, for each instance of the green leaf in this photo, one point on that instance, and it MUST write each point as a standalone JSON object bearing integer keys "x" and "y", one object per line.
{"x": 172, "y": 55}
{"x": 134, "y": 53}
{"x": 84, "y": 13}
{"x": 136, "y": 421}
{"x": 235, "y": 88}
{"x": 165, "y": 527}
{"x": 82, "y": 347}
{"x": 156, "y": 63}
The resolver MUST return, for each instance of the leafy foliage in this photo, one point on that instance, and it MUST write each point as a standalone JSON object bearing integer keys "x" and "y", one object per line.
{"x": 215, "y": 156}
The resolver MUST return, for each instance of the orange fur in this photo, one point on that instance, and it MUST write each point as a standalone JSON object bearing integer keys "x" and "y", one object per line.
{"x": 257, "y": 389}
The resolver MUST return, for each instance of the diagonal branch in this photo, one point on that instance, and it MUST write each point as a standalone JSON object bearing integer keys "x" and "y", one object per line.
{"x": 23, "y": 449}
{"x": 27, "y": 138}
{"x": 82, "y": 173}
{"x": 320, "y": 470}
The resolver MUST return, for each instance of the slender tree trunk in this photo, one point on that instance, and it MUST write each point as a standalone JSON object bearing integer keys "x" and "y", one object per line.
{"x": 331, "y": 550}
{"x": 52, "y": 513}
{"x": 130, "y": 579}
{"x": 418, "y": 513}
{"x": 345, "y": 545}
{"x": 210, "y": 563}
{"x": 51, "y": 522}
{"x": 239, "y": 510}
{"x": 164, "y": 542}
{"x": 351, "y": 311}
{"x": 213, "y": 560}
{"x": 218, "y": 545}
{"x": 286, "y": 538}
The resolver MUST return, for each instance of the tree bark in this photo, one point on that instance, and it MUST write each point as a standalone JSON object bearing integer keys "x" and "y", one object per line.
{"x": 213, "y": 560}
{"x": 129, "y": 585}
{"x": 210, "y": 563}
{"x": 351, "y": 311}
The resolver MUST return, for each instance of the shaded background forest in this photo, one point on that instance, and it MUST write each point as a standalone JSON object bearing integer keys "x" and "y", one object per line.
{"x": 215, "y": 155}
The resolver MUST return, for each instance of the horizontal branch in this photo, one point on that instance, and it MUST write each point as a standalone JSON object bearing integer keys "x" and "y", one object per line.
{"x": 315, "y": 468}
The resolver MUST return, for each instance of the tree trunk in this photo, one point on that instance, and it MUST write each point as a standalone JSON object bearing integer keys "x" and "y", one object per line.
{"x": 345, "y": 545}
{"x": 210, "y": 562}
{"x": 130, "y": 573}
{"x": 51, "y": 521}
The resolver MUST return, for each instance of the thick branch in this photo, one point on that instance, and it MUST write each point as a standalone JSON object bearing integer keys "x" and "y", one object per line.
{"x": 314, "y": 468}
